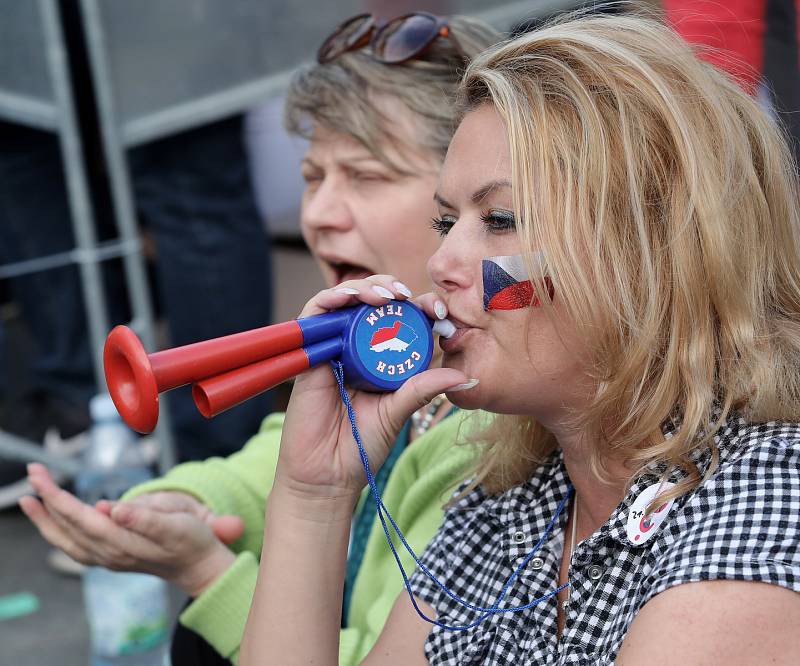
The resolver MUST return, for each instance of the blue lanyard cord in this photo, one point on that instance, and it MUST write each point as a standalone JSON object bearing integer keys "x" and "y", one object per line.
{"x": 383, "y": 514}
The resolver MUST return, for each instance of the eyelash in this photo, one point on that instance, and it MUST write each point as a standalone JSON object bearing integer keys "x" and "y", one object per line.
{"x": 441, "y": 226}
{"x": 497, "y": 222}
{"x": 493, "y": 222}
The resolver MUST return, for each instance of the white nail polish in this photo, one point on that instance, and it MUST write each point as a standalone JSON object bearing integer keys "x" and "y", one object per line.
{"x": 346, "y": 290}
{"x": 463, "y": 387}
{"x": 440, "y": 309}
{"x": 402, "y": 289}
{"x": 445, "y": 328}
{"x": 383, "y": 292}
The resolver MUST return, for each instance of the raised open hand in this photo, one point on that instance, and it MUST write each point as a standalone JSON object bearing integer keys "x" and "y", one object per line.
{"x": 170, "y": 535}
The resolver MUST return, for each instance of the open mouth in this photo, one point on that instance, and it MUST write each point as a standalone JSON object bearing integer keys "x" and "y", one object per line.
{"x": 344, "y": 271}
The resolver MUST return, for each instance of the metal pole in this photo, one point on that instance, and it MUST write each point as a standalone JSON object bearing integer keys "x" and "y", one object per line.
{"x": 75, "y": 174}
{"x": 124, "y": 206}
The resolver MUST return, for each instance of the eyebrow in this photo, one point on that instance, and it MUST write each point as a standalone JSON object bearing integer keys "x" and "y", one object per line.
{"x": 346, "y": 160}
{"x": 439, "y": 199}
{"x": 479, "y": 195}
{"x": 483, "y": 192}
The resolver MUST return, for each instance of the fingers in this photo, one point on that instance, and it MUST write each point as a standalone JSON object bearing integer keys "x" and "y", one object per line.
{"x": 81, "y": 523}
{"x": 433, "y": 306}
{"x": 39, "y": 471}
{"x": 170, "y": 501}
{"x": 227, "y": 528}
{"x": 419, "y": 391}
{"x": 168, "y": 530}
{"x": 375, "y": 290}
{"x": 52, "y": 531}
{"x": 91, "y": 531}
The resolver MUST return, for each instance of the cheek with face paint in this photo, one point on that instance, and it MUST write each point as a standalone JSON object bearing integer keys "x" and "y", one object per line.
{"x": 507, "y": 285}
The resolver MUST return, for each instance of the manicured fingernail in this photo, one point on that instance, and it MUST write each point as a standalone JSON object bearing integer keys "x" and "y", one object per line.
{"x": 383, "y": 292}
{"x": 440, "y": 309}
{"x": 445, "y": 328}
{"x": 347, "y": 290}
{"x": 402, "y": 289}
{"x": 463, "y": 387}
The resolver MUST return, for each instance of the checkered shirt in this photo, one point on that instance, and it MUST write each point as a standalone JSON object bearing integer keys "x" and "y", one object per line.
{"x": 741, "y": 524}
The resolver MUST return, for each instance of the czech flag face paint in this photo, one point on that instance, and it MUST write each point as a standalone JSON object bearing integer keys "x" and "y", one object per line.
{"x": 506, "y": 284}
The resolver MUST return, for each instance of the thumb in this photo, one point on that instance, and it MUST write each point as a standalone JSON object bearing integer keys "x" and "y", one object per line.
{"x": 421, "y": 389}
{"x": 227, "y": 528}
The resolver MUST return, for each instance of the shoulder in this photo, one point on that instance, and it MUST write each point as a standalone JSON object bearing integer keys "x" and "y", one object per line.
{"x": 757, "y": 476}
{"x": 724, "y": 576}
{"x": 758, "y": 471}
{"x": 743, "y": 522}
{"x": 736, "y": 623}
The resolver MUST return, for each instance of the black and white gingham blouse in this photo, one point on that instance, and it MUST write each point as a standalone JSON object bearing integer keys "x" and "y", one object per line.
{"x": 743, "y": 524}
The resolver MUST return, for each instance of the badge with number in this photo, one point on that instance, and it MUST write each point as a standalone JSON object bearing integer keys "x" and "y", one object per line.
{"x": 641, "y": 526}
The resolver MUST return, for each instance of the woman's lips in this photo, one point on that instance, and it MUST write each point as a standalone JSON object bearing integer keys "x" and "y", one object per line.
{"x": 343, "y": 272}
{"x": 455, "y": 342}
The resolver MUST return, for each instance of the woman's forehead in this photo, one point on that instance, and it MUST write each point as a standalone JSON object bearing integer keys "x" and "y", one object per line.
{"x": 479, "y": 154}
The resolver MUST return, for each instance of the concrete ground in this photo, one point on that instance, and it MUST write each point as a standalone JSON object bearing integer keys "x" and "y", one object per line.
{"x": 57, "y": 633}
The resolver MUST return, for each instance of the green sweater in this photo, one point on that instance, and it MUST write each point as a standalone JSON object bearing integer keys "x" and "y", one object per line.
{"x": 421, "y": 482}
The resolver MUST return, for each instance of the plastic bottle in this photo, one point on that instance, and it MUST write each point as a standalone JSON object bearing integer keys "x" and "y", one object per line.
{"x": 128, "y": 613}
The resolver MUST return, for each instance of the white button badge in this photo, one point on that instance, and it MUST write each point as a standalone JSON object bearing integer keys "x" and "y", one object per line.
{"x": 642, "y": 526}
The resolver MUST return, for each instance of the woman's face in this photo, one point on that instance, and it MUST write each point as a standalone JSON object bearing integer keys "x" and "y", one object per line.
{"x": 540, "y": 375}
{"x": 361, "y": 218}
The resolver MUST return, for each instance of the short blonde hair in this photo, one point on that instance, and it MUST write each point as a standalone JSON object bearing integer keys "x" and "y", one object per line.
{"x": 346, "y": 94}
{"x": 666, "y": 203}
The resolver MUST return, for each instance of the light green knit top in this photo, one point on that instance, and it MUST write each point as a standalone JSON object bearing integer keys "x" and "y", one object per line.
{"x": 420, "y": 484}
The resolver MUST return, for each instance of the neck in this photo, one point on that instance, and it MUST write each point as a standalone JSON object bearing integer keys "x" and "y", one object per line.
{"x": 598, "y": 498}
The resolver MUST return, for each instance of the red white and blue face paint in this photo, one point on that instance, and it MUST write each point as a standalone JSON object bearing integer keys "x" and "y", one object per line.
{"x": 507, "y": 285}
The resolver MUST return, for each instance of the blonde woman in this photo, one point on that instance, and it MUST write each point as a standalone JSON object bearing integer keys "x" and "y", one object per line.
{"x": 638, "y": 499}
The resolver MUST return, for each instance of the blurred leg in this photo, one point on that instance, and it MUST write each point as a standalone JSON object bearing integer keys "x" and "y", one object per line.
{"x": 35, "y": 222}
{"x": 194, "y": 193}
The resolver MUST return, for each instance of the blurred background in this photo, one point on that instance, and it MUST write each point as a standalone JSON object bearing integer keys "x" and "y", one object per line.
{"x": 145, "y": 179}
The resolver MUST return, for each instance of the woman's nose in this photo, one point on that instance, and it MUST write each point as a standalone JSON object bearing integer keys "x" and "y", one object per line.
{"x": 324, "y": 208}
{"x": 450, "y": 267}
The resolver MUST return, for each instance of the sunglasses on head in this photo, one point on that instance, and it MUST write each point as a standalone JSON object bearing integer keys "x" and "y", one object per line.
{"x": 394, "y": 42}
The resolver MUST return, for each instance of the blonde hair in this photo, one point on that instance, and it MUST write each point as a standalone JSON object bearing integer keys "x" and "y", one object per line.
{"x": 349, "y": 94}
{"x": 666, "y": 203}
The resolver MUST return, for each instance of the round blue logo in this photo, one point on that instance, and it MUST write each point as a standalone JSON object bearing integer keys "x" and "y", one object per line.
{"x": 393, "y": 342}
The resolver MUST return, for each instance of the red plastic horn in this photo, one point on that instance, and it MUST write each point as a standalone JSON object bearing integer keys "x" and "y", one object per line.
{"x": 214, "y": 395}
{"x": 135, "y": 378}
{"x": 229, "y": 370}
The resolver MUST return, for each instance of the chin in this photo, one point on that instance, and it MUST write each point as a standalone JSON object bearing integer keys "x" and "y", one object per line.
{"x": 470, "y": 399}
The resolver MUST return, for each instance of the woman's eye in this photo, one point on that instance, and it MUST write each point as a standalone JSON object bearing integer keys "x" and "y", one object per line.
{"x": 367, "y": 177}
{"x": 441, "y": 225}
{"x": 499, "y": 221}
{"x": 310, "y": 177}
